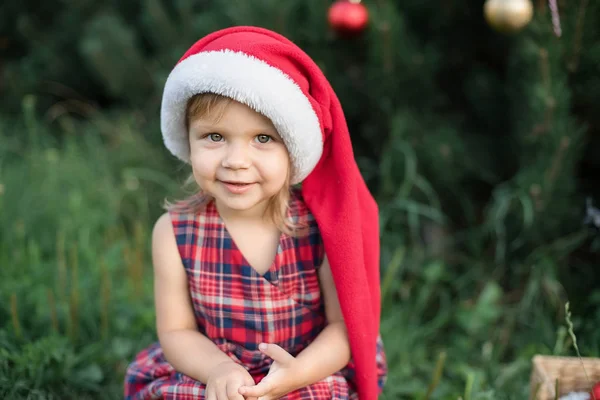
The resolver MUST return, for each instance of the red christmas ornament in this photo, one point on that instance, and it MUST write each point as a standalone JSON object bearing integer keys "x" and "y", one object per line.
{"x": 348, "y": 17}
{"x": 595, "y": 393}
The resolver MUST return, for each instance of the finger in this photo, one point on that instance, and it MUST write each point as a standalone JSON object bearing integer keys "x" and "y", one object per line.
{"x": 232, "y": 390}
{"x": 222, "y": 392}
{"x": 276, "y": 353}
{"x": 262, "y": 389}
{"x": 249, "y": 382}
{"x": 209, "y": 393}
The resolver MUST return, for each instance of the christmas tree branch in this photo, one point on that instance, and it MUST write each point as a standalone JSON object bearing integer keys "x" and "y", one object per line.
{"x": 574, "y": 63}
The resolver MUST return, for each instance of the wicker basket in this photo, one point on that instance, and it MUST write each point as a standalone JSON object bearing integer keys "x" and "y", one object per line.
{"x": 568, "y": 371}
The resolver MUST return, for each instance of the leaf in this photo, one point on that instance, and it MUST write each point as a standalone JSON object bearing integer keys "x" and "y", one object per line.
{"x": 122, "y": 347}
{"x": 92, "y": 373}
{"x": 475, "y": 319}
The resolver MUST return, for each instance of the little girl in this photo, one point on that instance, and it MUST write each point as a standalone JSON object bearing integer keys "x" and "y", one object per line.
{"x": 263, "y": 290}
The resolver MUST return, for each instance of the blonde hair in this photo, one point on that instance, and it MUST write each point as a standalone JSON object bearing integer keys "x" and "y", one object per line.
{"x": 210, "y": 105}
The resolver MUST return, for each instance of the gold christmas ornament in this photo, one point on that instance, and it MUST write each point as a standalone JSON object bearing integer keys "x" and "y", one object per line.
{"x": 508, "y": 16}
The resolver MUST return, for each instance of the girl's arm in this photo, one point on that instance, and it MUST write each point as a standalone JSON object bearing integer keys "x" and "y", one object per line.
{"x": 186, "y": 349}
{"x": 330, "y": 351}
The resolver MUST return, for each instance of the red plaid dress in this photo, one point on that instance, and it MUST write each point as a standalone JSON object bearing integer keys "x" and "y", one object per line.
{"x": 237, "y": 308}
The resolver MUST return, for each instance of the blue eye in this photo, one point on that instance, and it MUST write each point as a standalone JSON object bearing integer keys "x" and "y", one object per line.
{"x": 264, "y": 138}
{"x": 215, "y": 137}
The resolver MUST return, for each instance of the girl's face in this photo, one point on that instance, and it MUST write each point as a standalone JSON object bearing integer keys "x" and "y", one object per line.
{"x": 239, "y": 159}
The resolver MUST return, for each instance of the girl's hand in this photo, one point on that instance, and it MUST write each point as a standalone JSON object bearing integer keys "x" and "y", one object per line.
{"x": 225, "y": 380}
{"x": 281, "y": 379}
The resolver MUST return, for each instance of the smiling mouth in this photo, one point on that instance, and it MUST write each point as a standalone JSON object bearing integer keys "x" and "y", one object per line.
{"x": 236, "y": 187}
{"x": 237, "y": 183}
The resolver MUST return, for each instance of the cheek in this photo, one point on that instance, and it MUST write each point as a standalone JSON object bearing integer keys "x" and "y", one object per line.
{"x": 203, "y": 164}
{"x": 275, "y": 167}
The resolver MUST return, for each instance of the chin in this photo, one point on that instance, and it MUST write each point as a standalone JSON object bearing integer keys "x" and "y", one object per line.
{"x": 245, "y": 202}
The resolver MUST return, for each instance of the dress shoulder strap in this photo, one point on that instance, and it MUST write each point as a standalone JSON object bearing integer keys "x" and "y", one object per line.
{"x": 188, "y": 229}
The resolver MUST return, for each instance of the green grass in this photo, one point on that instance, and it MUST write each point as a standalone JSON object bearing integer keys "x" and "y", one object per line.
{"x": 76, "y": 211}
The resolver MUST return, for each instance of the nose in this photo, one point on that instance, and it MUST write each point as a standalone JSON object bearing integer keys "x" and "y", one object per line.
{"x": 236, "y": 157}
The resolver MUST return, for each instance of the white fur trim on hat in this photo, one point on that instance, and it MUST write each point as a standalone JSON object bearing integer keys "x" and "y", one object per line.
{"x": 254, "y": 83}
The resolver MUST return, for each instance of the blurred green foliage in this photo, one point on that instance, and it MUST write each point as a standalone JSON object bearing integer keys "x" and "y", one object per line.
{"x": 480, "y": 148}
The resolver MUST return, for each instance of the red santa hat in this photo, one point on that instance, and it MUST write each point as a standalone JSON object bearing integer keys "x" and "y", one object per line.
{"x": 273, "y": 76}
